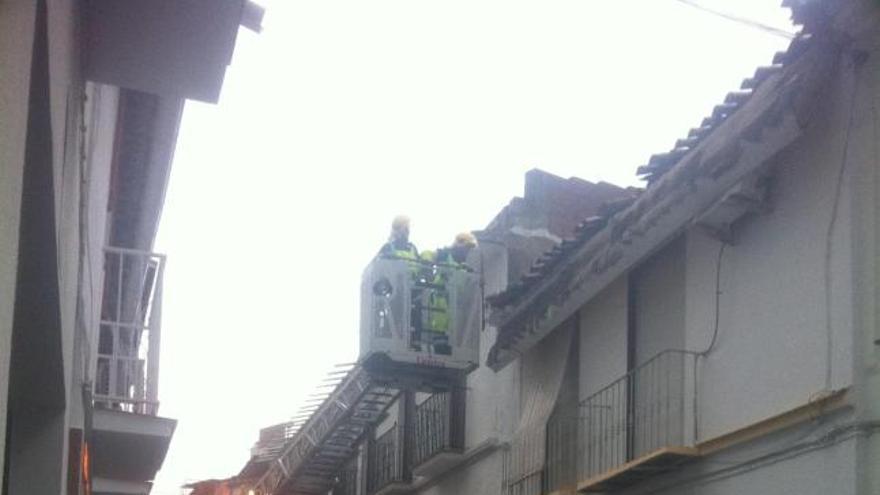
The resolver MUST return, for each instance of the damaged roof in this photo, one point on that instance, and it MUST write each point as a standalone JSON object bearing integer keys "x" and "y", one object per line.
{"x": 530, "y": 294}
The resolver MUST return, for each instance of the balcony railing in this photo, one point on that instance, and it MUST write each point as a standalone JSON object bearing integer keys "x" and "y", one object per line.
{"x": 638, "y": 414}
{"x": 129, "y": 334}
{"x": 385, "y": 461}
{"x": 560, "y": 469}
{"x": 347, "y": 480}
{"x": 439, "y": 427}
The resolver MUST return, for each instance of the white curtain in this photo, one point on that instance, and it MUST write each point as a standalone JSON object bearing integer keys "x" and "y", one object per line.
{"x": 542, "y": 373}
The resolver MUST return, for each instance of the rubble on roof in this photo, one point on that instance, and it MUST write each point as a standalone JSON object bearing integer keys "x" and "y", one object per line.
{"x": 549, "y": 259}
{"x": 527, "y": 306}
{"x": 656, "y": 167}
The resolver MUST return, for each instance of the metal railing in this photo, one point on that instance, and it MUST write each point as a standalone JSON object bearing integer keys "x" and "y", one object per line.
{"x": 347, "y": 480}
{"x": 639, "y": 413}
{"x": 561, "y": 455}
{"x": 384, "y": 461}
{"x": 127, "y": 372}
{"x": 272, "y": 440}
{"x": 438, "y": 425}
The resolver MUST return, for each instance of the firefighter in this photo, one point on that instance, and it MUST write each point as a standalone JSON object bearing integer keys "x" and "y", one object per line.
{"x": 398, "y": 245}
{"x": 454, "y": 255}
{"x": 446, "y": 261}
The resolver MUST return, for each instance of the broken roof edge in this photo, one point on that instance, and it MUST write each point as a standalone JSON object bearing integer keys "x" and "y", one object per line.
{"x": 658, "y": 166}
{"x": 548, "y": 303}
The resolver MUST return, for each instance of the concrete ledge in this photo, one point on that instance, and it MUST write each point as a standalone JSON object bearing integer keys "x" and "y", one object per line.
{"x": 636, "y": 470}
{"x": 438, "y": 463}
{"x": 137, "y": 424}
{"x": 813, "y": 409}
{"x": 104, "y": 486}
{"x": 129, "y": 447}
{"x": 470, "y": 456}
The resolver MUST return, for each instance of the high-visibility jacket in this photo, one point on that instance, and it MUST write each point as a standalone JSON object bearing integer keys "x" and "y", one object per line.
{"x": 392, "y": 250}
{"x": 442, "y": 256}
{"x": 437, "y": 315}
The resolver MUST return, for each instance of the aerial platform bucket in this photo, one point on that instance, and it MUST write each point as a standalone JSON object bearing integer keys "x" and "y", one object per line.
{"x": 420, "y": 316}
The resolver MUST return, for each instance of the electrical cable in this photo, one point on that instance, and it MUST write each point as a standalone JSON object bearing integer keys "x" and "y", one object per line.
{"x": 741, "y": 20}
{"x": 717, "y": 318}
{"x": 829, "y": 236}
{"x": 716, "y": 325}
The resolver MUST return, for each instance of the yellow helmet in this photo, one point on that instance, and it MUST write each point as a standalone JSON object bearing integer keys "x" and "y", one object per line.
{"x": 465, "y": 239}
{"x": 400, "y": 222}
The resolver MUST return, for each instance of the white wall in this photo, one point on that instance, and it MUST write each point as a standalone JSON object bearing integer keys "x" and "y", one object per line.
{"x": 492, "y": 401}
{"x": 603, "y": 346}
{"x": 16, "y": 39}
{"x": 660, "y": 302}
{"x": 866, "y": 234}
{"x": 787, "y": 463}
{"x": 770, "y": 354}
{"x": 100, "y": 122}
{"x": 44, "y": 451}
{"x": 483, "y": 477}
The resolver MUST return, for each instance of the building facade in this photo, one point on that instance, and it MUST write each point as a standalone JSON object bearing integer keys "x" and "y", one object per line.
{"x": 714, "y": 333}
{"x": 91, "y": 95}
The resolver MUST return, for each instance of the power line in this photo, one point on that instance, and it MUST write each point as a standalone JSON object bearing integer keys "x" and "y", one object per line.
{"x": 741, "y": 20}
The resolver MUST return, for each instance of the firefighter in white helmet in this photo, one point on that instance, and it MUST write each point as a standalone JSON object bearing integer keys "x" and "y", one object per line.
{"x": 398, "y": 245}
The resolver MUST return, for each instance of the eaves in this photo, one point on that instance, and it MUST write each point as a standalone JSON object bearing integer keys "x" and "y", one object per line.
{"x": 769, "y": 121}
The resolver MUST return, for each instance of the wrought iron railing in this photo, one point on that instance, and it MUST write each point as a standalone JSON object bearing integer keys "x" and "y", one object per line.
{"x": 346, "y": 481}
{"x": 438, "y": 427}
{"x": 127, "y": 372}
{"x": 385, "y": 466}
{"x": 560, "y": 468}
{"x": 639, "y": 413}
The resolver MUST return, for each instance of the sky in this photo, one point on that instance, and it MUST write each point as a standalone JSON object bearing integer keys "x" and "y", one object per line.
{"x": 342, "y": 114}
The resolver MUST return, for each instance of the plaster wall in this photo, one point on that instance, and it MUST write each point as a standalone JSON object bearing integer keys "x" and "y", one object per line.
{"x": 482, "y": 477}
{"x": 89, "y": 188}
{"x": 659, "y": 285}
{"x": 16, "y": 41}
{"x": 794, "y": 461}
{"x": 772, "y": 348}
{"x": 603, "y": 337}
{"x": 492, "y": 399}
{"x": 866, "y": 252}
{"x": 40, "y": 452}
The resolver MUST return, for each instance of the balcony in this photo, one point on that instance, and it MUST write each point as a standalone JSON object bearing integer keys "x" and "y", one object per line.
{"x": 560, "y": 468}
{"x": 128, "y": 338}
{"x": 347, "y": 480}
{"x": 438, "y": 434}
{"x": 385, "y": 472}
{"x": 634, "y": 428}
{"x": 129, "y": 439}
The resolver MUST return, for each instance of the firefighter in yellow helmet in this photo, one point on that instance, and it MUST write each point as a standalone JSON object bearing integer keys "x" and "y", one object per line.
{"x": 399, "y": 247}
{"x": 454, "y": 255}
{"x": 446, "y": 261}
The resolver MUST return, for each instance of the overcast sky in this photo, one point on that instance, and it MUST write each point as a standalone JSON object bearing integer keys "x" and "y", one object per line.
{"x": 343, "y": 113}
